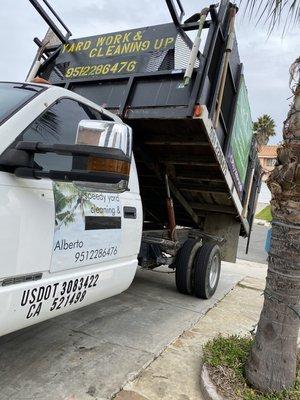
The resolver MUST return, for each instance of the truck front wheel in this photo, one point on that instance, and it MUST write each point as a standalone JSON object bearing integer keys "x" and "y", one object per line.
{"x": 207, "y": 268}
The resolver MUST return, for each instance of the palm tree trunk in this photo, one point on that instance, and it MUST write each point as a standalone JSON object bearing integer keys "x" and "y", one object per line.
{"x": 273, "y": 358}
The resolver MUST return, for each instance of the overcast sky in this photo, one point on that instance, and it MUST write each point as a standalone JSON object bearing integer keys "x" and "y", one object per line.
{"x": 266, "y": 60}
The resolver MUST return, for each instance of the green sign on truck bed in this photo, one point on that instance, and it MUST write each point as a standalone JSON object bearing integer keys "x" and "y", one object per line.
{"x": 241, "y": 137}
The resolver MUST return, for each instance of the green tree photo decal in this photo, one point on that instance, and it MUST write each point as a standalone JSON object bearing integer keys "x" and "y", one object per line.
{"x": 68, "y": 198}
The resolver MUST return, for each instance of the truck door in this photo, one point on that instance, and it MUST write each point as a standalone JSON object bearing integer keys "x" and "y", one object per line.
{"x": 65, "y": 225}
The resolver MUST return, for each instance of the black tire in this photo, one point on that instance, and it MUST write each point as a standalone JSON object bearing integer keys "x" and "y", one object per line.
{"x": 205, "y": 282}
{"x": 184, "y": 265}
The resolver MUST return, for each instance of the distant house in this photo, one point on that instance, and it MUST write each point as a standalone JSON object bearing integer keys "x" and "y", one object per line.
{"x": 267, "y": 157}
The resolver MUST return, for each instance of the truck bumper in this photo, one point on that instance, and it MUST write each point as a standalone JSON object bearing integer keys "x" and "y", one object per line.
{"x": 25, "y": 304}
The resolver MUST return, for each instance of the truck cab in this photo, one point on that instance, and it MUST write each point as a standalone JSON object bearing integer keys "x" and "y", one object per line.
{"x": 70, "y": 208}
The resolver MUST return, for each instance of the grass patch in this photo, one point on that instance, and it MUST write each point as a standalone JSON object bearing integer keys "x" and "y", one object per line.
{"x": 225, "y": 358}
{"x": 265, "y": 214}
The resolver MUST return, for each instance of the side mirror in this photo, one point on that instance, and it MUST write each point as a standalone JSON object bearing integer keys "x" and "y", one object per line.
{"x": 101, "y": 157}
{"x": 111, "y": 135}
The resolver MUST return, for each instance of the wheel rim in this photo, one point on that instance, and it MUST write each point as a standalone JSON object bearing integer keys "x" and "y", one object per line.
{"x": 214, "y": 270}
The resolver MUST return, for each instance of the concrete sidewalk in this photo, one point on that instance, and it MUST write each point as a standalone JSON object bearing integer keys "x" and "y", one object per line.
{"x": 174, "y": 375}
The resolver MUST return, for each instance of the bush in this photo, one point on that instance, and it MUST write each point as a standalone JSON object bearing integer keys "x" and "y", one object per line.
{"x": 225, "y": 358}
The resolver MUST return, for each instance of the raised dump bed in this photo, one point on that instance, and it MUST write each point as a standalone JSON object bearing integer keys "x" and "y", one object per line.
{"x": 195, "y": 130}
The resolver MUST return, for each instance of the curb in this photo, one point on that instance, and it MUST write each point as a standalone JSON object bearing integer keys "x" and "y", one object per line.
{"x": 261, "y": 222}
{"x": 208, "y": 389}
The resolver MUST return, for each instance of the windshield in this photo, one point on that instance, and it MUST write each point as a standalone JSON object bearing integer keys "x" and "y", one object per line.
{"x": 15, "y": 95}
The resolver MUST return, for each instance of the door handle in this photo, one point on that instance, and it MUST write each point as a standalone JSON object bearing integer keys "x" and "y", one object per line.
{"x": 129, "y": 212}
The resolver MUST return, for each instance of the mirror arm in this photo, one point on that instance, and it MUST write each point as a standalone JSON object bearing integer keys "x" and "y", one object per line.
{"x": 73, "y": 150}
{"x": 13, "y": 157}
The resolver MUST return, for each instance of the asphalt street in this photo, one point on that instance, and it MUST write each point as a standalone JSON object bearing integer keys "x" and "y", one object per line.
{"x": 91, "y": 353}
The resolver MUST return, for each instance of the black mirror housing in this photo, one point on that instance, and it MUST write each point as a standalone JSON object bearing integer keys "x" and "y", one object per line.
{"x": 90, "y": 163}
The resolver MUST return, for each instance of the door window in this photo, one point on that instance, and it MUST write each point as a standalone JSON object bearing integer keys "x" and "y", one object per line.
{"x": 58, "y": 125}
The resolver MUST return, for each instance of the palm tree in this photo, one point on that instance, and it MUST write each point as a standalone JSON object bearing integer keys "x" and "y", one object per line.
{"x": 273, "y": 358}
{"x": 263, "y": 129}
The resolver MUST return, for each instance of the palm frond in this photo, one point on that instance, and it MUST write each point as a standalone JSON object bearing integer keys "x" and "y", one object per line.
{"x": 295, "y": 75}
{"x": 273, "y": 11}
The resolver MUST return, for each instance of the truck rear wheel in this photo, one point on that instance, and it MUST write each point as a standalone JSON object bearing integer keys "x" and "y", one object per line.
{"x": 184, "y": 265}
{"x": 207, "y": 268}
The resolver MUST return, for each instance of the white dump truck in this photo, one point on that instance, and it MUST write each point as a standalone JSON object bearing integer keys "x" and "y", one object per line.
{"x": 138, "y": 151}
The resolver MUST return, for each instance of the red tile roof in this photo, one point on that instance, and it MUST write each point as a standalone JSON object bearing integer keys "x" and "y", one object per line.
{"x": 268, "y": 151}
